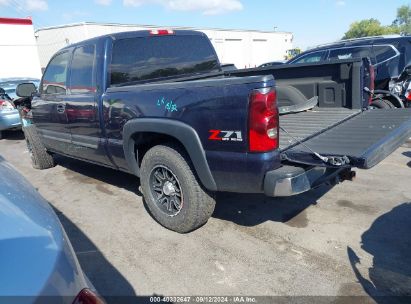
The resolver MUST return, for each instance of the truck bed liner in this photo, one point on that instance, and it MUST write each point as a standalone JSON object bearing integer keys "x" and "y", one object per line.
{"x": 305, "y": 125}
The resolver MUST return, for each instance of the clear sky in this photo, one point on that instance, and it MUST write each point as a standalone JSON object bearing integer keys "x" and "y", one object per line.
{"x": 312, "y": 21}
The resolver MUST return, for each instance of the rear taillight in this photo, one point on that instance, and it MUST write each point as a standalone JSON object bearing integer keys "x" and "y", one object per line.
{"x": 372, "y": 85}
{"x": 161, "y": 32}
{"x": 263, "y": 121}
{"x": 6, "y": 105}
{"x": 87, "y": 296}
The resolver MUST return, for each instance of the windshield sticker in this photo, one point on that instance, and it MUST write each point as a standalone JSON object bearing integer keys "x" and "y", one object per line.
{"x": 168, "y": 105}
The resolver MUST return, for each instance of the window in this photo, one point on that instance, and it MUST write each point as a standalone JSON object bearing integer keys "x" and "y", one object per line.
{"x": 143, "y": 59}
{"x": 310, "y": 58}
{"x": 351, "y": 52}
{"x": 82, "y": 78}
{"x": 54, "y": 79}
{"x": 384, "y": 52}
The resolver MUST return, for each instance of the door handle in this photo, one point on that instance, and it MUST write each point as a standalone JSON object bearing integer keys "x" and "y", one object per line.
{"x": 61, "y": 108}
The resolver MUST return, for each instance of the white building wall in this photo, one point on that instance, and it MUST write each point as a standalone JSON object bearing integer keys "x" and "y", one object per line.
{"x": 49, "y": 41}
{"x": 18, "y": 51}
{"x": 242, "y": 47}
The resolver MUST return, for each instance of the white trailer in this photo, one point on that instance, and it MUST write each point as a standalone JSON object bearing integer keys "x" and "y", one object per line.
{"x": 19, "y": 56}
{"x": 244, "y": 48}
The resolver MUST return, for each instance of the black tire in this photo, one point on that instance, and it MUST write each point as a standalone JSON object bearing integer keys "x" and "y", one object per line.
{"x": 1, "y": 134}
{"x": 40, "y": 158}
{"x": 382, "y": 104}
{"x": 190, "y": 204}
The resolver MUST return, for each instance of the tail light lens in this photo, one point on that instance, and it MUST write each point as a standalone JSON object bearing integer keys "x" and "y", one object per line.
{"x": 6, "y": 105}
{"x": 87, "y": 296}
{"x": 263, "y": 121}
{"x": 372, "y": 80}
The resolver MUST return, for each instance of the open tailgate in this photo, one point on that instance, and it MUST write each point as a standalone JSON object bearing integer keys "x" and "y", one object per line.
{"x": 366, "y": 139}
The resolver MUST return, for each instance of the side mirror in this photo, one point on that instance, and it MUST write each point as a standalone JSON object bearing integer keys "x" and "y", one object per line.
{"x": 26, "y": 89}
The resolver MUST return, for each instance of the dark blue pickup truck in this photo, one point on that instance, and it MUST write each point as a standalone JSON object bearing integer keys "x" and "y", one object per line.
{"x": 156, "y": 104}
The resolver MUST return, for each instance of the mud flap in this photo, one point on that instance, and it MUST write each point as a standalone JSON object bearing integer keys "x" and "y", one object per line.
{"x": 365, "y": 139}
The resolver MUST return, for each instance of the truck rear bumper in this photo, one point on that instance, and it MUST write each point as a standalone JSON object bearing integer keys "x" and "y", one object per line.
{"x": 290, "y": 180}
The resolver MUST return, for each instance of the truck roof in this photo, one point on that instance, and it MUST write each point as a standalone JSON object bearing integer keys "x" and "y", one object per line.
{"x": 138, "y": 34}
{"x": 387, "y": 39}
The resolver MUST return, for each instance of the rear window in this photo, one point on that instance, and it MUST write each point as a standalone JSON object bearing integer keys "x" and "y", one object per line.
{"x": 144, "y": 59}
{"x": 350, "y": 53}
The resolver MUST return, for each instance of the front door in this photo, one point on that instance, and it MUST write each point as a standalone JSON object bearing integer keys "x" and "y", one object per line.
{"x": 49, "y": 108}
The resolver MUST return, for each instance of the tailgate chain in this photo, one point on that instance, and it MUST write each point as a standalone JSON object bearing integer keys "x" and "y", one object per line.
{"x": 331, "y": 160}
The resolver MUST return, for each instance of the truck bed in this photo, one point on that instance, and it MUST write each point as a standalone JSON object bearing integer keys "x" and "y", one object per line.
{"x": 305, "y": 125}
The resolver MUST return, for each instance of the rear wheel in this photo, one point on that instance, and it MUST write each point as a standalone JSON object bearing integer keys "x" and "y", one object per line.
{"x": 172, "y": 191}
{"x": 382, "y": 104}
{"x": 1, "y": 134}
{"x": 40, "y": 158}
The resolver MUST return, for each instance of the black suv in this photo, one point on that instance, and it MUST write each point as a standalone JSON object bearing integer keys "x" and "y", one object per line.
{"x": 389, "y": 55}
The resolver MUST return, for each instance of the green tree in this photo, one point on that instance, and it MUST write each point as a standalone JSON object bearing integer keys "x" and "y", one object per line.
{"x": 403, "y": 21}
{"x": 369, "y": 27}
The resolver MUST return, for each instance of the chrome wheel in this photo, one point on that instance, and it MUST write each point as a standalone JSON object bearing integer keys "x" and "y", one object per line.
{"x": 166, "y": 190}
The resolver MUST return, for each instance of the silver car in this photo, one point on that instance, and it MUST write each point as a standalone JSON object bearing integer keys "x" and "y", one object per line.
{"x": 9, "y": 115}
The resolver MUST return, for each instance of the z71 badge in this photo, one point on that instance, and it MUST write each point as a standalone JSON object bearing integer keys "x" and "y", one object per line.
{"x": 225, "y": 135}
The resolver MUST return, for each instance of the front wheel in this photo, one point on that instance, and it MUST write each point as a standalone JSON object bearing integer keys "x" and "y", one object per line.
{"x": 40, "y": 158}
{"x": 172, "y": 191}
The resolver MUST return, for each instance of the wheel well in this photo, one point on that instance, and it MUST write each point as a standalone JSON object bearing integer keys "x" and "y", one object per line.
{"x": 394, "y": 101}
{"x": 144, "y": 141}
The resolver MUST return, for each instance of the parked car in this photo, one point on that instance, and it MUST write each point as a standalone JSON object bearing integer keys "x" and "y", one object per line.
{"x": 270, "y": 64}
{"x": 390, "y": 55}
{"x": 37, "y": 261}
{"x": 158, "y": 105}
{"x": 9, "y": 116}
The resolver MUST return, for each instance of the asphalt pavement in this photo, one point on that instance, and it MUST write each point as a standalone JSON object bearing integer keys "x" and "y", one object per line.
{"x": 349, "y": 240}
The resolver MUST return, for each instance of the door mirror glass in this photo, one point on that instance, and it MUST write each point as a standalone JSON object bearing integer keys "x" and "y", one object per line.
{"x": 26, "y": 89}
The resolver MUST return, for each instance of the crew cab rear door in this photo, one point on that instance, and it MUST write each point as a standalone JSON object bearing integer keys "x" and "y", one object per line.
{"x": 83, "y": 118}
{"x": 365, "y": 139}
